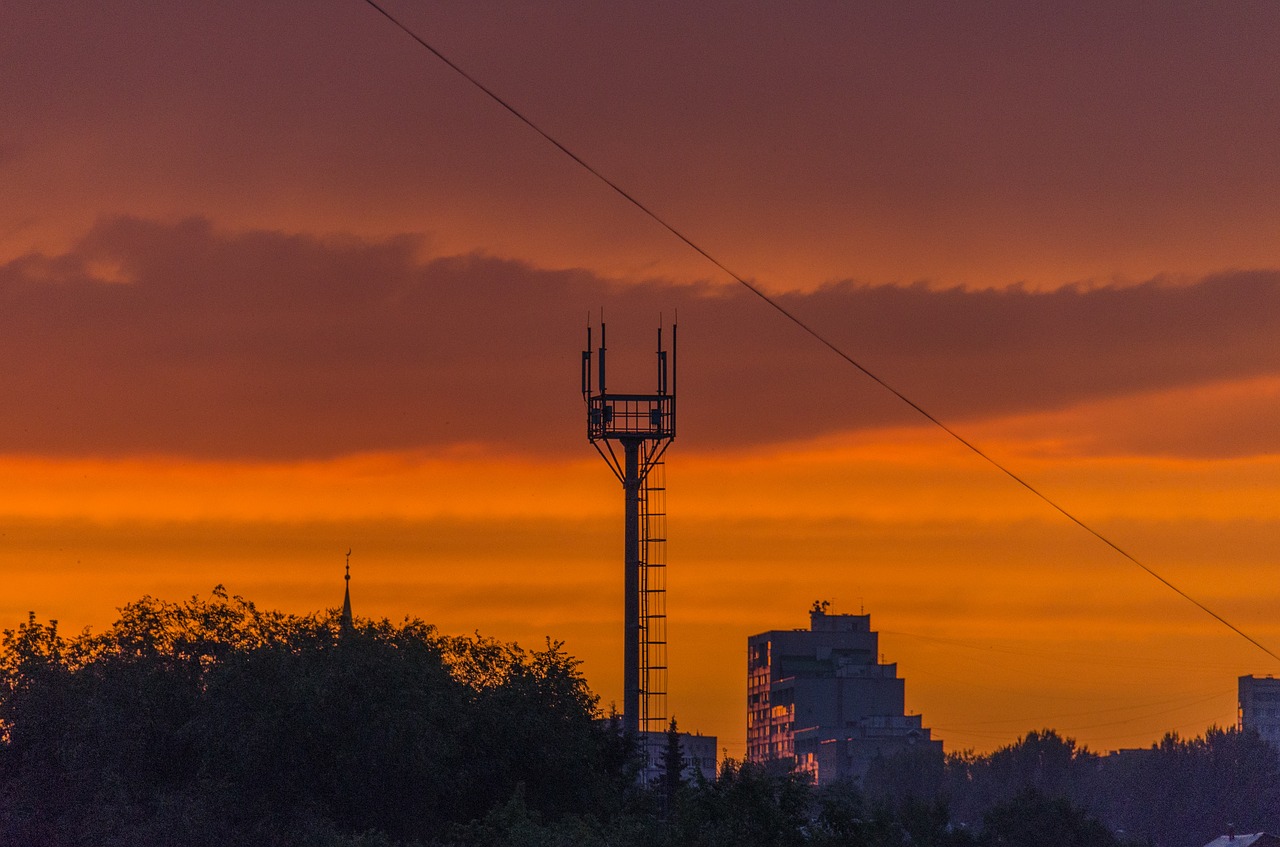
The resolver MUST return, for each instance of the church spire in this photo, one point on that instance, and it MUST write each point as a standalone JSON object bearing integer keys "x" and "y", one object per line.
{"x": 347, "y": 624}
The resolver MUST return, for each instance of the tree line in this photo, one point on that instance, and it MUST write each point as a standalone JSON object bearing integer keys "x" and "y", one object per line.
{"x": 1177, "y": 792}
{"x": 212, "y": 722}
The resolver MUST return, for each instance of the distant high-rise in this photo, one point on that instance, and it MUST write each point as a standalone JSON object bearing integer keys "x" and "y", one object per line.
{"x": 820, "y": 700}
{"x": 1260, "y": 707}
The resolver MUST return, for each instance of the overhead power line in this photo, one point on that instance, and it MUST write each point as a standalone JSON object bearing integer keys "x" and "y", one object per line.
{"x": 817, "y": 336}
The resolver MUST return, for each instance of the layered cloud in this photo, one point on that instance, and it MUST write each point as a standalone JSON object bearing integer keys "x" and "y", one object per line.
{"x": 178, "y": 338}
{"x": 968, "y": 145}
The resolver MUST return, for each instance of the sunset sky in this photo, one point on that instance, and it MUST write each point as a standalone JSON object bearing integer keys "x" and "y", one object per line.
{"x": 276, "y": 283}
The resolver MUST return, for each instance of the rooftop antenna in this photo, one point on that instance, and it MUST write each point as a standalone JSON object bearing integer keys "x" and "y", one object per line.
{"x": 632, "y": 432}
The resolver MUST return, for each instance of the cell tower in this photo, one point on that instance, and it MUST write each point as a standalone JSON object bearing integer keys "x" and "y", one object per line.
{"x": 640, "y": 427}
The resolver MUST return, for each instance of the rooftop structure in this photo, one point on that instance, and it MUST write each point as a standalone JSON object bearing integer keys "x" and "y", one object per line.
{"x": 1255, "y": 839}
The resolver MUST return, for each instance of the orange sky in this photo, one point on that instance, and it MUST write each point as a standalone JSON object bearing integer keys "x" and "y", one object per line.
{"x": 276, "y": 284}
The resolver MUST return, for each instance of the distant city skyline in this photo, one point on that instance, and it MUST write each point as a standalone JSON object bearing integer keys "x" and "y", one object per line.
{"x": 278, "y": 284}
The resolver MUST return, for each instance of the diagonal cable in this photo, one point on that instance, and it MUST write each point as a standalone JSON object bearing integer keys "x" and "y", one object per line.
{"x": 782, "y": 310}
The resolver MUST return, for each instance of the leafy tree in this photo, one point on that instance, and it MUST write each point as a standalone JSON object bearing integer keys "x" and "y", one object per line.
{"x": 1189, "y": 790}
{"x": 914, "y": 772}
{"x": 841, "y": 816}
{"x": 746, "y": 805}
{"x": 213, "y": 722}
{"x": 1034, "y": 820}
{"x": 1042, "y": 763}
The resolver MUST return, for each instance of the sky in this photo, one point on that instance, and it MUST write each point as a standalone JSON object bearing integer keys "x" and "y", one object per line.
{"x": 277, "y": 283}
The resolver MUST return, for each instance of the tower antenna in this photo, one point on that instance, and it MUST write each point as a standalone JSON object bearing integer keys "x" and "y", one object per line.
{"x": 632, "y": 432}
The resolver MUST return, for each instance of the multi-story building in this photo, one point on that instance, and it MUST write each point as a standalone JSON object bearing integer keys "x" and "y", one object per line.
{"x": 820, "y": 700}
{"x": 697, "y": 756}
{"x": 1260, "y": 707}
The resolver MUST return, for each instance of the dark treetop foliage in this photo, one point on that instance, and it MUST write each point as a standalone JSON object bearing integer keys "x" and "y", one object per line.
{"x": 1178, "y": 793}
{"x": 212, "y": 722}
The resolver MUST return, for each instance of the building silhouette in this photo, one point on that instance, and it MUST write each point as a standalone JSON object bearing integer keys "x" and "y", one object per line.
{"x": 820, "y": 700}
{"x": 1260, "y": 707}
{"x": 697, "y": 756}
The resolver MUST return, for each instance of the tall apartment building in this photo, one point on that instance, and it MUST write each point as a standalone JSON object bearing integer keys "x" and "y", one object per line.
{"x": 820, "y": 699}
{"x": 1260, "y": 707}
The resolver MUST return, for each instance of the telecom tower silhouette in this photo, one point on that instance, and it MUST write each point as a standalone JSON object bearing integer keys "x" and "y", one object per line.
{"x": 642, "y": 426}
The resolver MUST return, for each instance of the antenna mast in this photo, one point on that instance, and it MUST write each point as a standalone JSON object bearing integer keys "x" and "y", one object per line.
{"x": 632, "y": 432}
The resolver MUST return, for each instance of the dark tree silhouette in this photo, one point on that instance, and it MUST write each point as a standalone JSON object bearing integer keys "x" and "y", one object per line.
{"x": 212, "y": 722}
{"x": 1033, "y": 820}
{"x": 672, "y": 766}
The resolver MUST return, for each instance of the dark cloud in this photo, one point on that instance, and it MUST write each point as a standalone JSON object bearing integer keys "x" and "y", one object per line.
{"x": 176, "y": 338}
{"x": 892, "y": 141}
{"x": 971, "y": 352}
